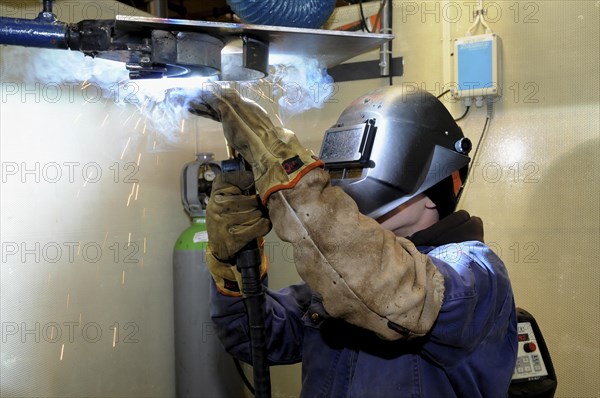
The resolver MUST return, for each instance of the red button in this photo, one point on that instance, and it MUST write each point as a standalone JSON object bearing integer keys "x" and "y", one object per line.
{"x": 530, "y": 347}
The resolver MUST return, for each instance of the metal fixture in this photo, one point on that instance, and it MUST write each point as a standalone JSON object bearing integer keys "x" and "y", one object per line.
{"x": 155, "y": 47}
{"x": 159, "y": 8}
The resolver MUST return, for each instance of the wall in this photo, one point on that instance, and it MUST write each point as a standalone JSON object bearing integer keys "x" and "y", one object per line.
{"x": 90, "y": 212}
{"x": 536, "y": 184}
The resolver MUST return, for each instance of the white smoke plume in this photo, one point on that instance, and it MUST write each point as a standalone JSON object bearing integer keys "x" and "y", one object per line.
{"x": 293, "y": 86}
{"x": 300, "y": 84}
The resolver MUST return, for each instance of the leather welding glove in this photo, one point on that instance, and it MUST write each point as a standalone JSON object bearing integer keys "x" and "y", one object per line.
{"x": 278, "y": 160}
{"x": 233, "y": 219}
{"x": 366, "y": 275}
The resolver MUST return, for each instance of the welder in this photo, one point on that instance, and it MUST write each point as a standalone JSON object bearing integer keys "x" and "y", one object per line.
{"x": 400, "y": 295}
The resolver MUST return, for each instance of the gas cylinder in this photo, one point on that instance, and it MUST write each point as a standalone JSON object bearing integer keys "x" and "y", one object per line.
{"x": 202, "y": 367}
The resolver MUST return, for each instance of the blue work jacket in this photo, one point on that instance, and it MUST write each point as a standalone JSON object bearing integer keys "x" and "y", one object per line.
{"x": 470, "y": 352}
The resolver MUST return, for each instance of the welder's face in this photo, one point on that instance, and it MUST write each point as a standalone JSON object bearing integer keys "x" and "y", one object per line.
{"x": 412, "y": 216}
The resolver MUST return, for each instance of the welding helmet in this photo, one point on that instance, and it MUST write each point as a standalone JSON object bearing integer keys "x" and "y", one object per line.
{"x": 392, "y": 144}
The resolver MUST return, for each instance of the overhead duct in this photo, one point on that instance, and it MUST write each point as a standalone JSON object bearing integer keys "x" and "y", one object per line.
{"x": 291, "y": 13}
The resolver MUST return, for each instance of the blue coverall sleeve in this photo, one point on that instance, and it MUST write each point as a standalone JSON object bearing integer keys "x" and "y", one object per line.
{"x": 284, "y": 325}
{"x": 478, "y": 308}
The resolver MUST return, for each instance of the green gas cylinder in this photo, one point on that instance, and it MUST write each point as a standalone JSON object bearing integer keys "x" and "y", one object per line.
{"x": 202, "y": 367}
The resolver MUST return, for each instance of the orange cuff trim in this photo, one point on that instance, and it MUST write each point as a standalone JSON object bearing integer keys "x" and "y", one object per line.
{"x": 265, "y": 260}
{"x": 291, "y": 184}
{"x": 456, "y": 182}
{"x": 227, "y": 292}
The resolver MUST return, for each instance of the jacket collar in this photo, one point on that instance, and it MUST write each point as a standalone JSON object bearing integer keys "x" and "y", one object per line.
{"x": 457, "y": 227}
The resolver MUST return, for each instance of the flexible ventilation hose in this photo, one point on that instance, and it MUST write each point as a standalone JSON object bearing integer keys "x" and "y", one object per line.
{"x": 292, "y": 13}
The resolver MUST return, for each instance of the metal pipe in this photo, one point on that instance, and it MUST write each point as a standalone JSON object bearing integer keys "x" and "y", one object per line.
{"x": 39, "y": 32}
{"x": 385, "y": 52}
{"x": 48, "y": 6}
{"x": 159, "y": 8}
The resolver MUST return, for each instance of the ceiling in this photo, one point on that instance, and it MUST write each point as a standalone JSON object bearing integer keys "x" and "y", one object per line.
{"x": 207, "y": 10}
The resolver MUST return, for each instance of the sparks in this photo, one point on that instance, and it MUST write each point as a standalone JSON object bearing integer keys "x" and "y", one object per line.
{"x": 124, "y": 149}
{"x": 114, "y": 337}
{"x": 131, "y": 194}
{"x": 104, "y": 121}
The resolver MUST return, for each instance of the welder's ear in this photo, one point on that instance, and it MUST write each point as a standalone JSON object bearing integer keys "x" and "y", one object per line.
{"x": 430, "y": 204}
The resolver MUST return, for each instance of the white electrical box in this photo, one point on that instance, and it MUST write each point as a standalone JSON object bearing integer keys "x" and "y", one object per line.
{"x": 477, "y": 66}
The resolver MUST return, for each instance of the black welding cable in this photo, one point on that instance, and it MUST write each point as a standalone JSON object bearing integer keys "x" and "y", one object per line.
{"x": 474, "y": 158}
{"x": 463, "y": 115}
{"x": 248, "y": 262}
{"x": 466, "y": 110}
{"x": 485, "y": 128}
{"x": 362, "y": 16}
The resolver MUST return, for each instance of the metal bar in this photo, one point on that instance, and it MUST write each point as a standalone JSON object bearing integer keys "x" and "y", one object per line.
{"x": 385, "y": 53}
{"x": 364, "y": 70}
{"x": 330, "y": 46}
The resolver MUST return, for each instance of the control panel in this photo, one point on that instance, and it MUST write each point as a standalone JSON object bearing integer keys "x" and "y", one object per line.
{"x": 534, "y": 375}
{"x": 530, "y": 364}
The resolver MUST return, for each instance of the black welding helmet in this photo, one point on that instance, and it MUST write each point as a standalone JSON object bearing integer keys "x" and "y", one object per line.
{"x": 392, "y": 144}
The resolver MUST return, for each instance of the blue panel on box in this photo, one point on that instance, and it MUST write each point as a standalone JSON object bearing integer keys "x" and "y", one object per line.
{"x": 475, "y": 65}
